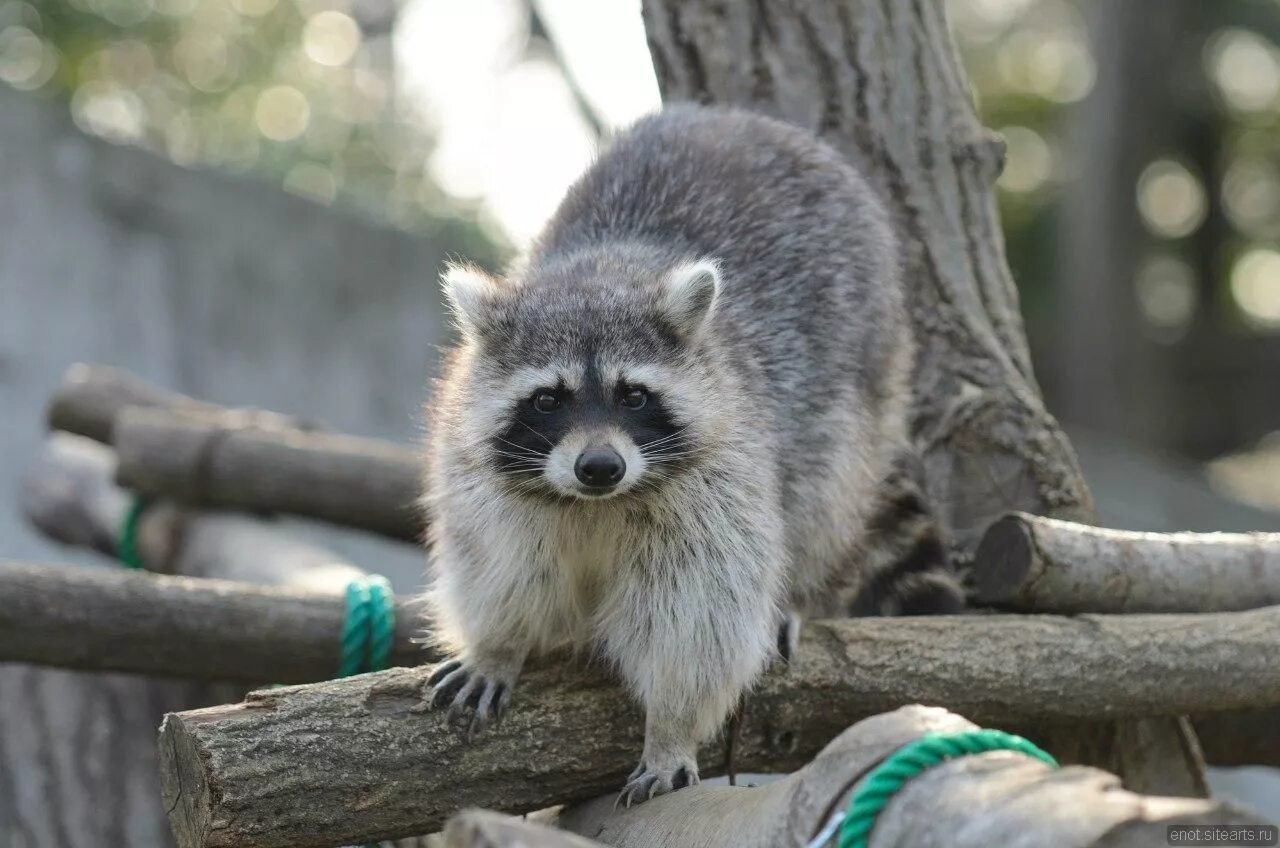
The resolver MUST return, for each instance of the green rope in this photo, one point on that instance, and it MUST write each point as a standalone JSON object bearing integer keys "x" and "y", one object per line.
{"x": 127, "y": 541}
{"x": 382, "y": 624}
{"x": 908, "y": 761}
{"x": 368, "y": 631}
{"x": 369, "y": 628}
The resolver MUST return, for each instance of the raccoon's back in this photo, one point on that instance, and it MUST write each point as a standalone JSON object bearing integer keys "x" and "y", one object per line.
{"x": 811, "y": 296}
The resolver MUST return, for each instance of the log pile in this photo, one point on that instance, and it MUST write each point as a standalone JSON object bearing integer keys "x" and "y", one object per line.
{"x": 573, "y": 730}
{"x": 572, "y": 734}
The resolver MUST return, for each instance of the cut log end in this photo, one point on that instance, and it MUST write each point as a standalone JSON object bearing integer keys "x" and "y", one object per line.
{"x": 1007, "y": 554}
{"x": 183, "y": 788}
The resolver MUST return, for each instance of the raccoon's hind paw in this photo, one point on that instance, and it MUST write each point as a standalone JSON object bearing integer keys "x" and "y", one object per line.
{"x": 476, "y": 701}
{"x": 649, "y": 781}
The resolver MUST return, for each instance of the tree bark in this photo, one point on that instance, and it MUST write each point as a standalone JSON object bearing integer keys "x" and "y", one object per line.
{"x": 1034, "y": 564}
{"x": 247, "y": 774}
{"x": 348, "y": 481}
{"x": 94, "y": 619}
{"x": 881, "y": 82}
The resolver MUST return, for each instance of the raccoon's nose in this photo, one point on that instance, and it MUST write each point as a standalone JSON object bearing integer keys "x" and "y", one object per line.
{"x": 599, "y": 468}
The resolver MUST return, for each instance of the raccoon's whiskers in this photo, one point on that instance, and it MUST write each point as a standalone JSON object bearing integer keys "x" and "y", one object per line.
{"x": 535, "y": 432}
{"x": 530, "y": 457}
{"x": 655, "y": 442}
{"x": 525, "y": 450}
{"x": 667, "y": 457}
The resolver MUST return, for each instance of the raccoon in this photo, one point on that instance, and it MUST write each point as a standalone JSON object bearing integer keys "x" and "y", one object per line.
{"x": 664, "y": 435}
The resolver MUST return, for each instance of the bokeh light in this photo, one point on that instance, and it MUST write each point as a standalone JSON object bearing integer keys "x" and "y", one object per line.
{"x": 26, "y": 61}
{"x": 330, "y": 38}
{"x": 1251, "y": 196}
{"x": 1255, "y": 286}
{"x": 1171, "y": 199}
{"x": 109, "y": 110}
{"x": 1028, "y": 160}
{"x": 1054, "y": 65}
{"x": 282, "y": 113}
{"x": 1245, "y": 69}
{"x": 1165, "y": 288}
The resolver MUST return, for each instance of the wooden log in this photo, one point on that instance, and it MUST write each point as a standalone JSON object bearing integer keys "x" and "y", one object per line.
{"x": 91, "y": 396}
{"x": 246, "y": 774}
{"x": 109, "y": 620}
{"x": 485, "y": 829}
{"x": 1033, "y": 564}
{"x": 998, "y": 798}
{"x": 71, "y": 496}
{"x": 353, "y": 482}
{"x": 171, "y": 445}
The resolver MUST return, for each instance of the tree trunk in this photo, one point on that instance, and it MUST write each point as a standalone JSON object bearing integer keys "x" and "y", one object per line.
{"x": 882, "y": 83}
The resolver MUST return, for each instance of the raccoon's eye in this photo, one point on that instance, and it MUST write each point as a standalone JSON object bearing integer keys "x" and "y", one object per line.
{"x": 635, "y": 398}
{"x": 545, "y": 401}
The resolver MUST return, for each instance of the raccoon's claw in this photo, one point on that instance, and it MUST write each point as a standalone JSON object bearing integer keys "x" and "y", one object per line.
{"x": 476, "y": 701}
{"x": 788, "y": 638}
{"x": 648, "y": 782}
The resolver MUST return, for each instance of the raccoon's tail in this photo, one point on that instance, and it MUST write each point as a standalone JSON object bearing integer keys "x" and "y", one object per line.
{"x": 910, "y": 572}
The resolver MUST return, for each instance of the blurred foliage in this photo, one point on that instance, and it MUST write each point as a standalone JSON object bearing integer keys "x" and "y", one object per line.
{"x": 299, "y": 90}
{"x": 304, "y": 92}
{"x": 1029, "y": 62}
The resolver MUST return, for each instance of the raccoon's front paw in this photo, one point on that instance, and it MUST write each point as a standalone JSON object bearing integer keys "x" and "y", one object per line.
{"x": 650, "y": 780}
{"x": 476, "y": 700}
{"x": 788, "y": 639}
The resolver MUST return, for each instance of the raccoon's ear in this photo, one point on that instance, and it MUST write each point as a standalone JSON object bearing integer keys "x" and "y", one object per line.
{"x": 468, "y": 291}
{"x": 690, "y": 295}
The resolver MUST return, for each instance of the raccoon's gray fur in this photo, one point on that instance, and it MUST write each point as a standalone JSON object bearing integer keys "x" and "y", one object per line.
{"x": 669, "y": 428}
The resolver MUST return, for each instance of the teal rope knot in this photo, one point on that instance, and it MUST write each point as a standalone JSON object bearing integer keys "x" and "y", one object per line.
{"x": 369, "y": 628}
{"x": 127, "y": 541}
{"x": 889, "y": 776}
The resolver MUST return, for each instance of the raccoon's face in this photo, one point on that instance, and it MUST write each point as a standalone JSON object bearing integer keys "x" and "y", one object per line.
{"x": 584, "y": 389}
